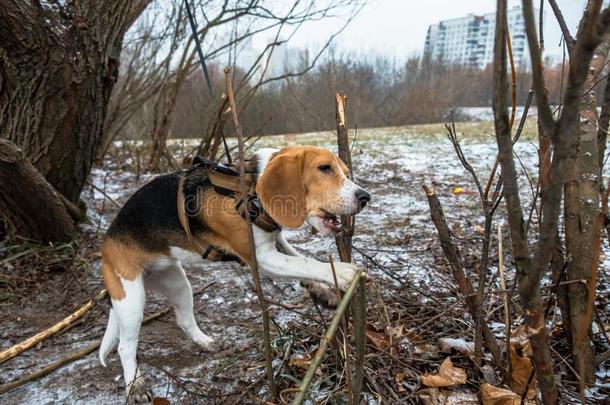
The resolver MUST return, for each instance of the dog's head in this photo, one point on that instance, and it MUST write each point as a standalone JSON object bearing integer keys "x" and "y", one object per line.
{"x": 306, "y": 183}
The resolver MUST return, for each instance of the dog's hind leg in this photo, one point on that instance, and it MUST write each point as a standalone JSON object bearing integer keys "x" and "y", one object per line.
{"x": 129, "y": 312}
{"x": 169, "y": 280}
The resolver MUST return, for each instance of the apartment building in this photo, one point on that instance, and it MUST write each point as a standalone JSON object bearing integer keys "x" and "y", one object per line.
{"x": 469, "y": 40}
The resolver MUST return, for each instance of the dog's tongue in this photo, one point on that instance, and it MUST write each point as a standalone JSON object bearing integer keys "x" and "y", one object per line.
{"x": 332, "y": 223}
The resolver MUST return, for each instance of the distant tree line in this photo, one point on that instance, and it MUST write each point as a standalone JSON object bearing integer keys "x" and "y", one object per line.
{"x": 380, "y": 93}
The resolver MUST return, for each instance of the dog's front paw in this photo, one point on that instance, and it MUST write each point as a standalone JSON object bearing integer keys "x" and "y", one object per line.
{"x": 345, "y": 273}
{"x": 138, "y": 392}
{"x": 322, "y": 294}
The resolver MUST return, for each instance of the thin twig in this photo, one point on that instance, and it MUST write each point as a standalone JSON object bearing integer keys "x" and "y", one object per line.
{"x": 345, "y": 330}
{"x": 254, "y": 262}
{"x": 328, "y": 337}
{"x": 116, "y": 204}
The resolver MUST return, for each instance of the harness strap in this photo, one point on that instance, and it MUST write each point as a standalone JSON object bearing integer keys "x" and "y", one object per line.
{"x": 225, "y": 180}
{"x": 207, "y": 251}
{"x": 254, "y": 211}
{"x": 228, "y": 184}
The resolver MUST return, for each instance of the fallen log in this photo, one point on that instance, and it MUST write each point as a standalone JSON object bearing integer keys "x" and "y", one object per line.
{"x": 42, "y": 216}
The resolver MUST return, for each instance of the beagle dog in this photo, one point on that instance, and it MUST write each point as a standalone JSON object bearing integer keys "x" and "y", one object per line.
{"x": 143, "y": 245}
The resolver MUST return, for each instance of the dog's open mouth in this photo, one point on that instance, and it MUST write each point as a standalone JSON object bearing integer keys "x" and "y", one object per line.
{"x": 331, "y": 222}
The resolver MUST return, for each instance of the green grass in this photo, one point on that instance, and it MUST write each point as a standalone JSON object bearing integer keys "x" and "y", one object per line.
{"x": 477, "y": 131}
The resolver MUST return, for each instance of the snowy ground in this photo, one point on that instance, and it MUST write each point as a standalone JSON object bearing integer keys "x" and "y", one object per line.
{"x": 395, "y": 232}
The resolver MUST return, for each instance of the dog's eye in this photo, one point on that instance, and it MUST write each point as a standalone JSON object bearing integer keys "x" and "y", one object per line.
{"x": 325, "y": 168}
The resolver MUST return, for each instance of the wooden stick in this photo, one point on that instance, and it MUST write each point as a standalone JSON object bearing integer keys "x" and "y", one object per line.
{"x": 348, "y": 372}
{"x": 45, "y": 334}
{"x": 254, "y": 264}
{"x": 344, "y": 246}
{"x": 457, "y": 269}
{"x": 328, "y": 337}
{"x": 344, "y": 238}
{"x": 359, "y": 328}
{"x": 116, "y": 204}
{"x": 81, "y": 353}
{"x": 513, "y": 113}
{"x": 513, "y": 76}
{"x": 68, "y": 359}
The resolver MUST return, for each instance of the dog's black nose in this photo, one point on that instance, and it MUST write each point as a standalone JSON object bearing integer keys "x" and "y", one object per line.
{"x": 363, "y": 197}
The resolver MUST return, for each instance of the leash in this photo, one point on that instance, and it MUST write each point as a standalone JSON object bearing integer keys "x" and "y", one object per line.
{"x": 205, "y": 69}
{"x": 224, "y": 179}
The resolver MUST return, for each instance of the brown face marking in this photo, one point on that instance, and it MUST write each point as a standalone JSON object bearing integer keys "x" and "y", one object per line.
{"x": 323, "y": 188}
{"x": 280, "y": 188}
{"x": 293, "y": 186}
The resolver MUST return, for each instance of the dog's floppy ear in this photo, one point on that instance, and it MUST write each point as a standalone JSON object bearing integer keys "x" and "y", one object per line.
{"x": 281, "y": 189}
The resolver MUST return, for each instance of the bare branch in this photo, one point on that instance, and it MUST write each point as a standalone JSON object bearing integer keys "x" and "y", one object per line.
{"x": 544, "y": 110}
{"x": 565, "y": 31}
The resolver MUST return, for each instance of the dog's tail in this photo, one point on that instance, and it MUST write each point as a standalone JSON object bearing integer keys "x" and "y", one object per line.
{"x": 111, "y": 337}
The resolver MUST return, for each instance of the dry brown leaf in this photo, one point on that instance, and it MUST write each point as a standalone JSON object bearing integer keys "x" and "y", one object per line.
{"x": 413, "y": 337}
{"x": 491, "y": 395}
{"x": 300, "y": 361}
{"x": 399, "y": 378}
{"x": 387, "y": 339}
{"x": 447, "y": 376}
{"x": 522, "y": 368}
{"x": 160, "y": 401}
{"x": 377, "y": 338}
{"x": 397, "y": 332}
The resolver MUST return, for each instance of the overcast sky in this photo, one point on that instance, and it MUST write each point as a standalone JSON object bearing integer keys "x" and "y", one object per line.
{"x": 397, "y": 28}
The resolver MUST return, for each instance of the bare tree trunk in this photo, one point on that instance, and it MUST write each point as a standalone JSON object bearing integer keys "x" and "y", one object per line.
{"x": 604, "y": 120}
{"x": 42, "y": 214}
{"x": 602, "y": 136}
{"x": 58, "y": 66}
{"x": 58, "y": 63}
{"x": 582, "y": 209}
{"x": 557, "y": 258}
